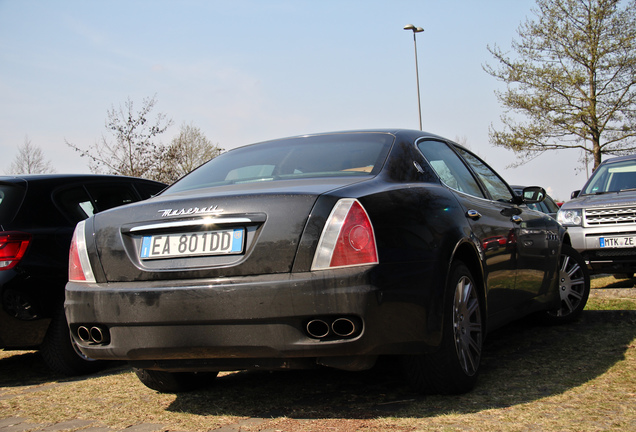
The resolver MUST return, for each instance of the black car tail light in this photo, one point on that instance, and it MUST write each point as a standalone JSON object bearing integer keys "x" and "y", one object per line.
{"x": 347, "y": 239}
{"x": 13, "y": 246}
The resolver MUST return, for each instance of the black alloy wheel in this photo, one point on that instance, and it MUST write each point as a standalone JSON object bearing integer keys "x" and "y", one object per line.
{"x": 61, "y": 353}
{"x": 574, "y": 287}
{"x": 467, "y": 325}
{"x": 454, "y": 367}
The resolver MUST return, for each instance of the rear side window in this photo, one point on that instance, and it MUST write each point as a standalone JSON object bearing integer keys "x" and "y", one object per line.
{"x": 11, "y": 197}
{"x": 147, "y": 190}
{"x": 338, "y": 155}
{"x": 107, "y": 196}
{"x": 80, "y": 202}
{"x": 75, "y": 203}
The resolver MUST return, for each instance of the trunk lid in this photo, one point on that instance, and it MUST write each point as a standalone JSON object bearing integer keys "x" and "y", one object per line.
{"x": 235, "y": 230}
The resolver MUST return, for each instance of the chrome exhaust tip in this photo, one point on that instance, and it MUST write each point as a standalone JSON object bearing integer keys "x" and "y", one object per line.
{"x": 343, "y": 327}
{"x": 97, "y": 335}
{"x": 317, "y": 328}
{"x": 84, "y": 334}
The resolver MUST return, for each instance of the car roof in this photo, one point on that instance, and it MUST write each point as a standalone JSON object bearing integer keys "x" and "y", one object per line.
{"x": 619, "y": 159}
{"x": 402, "y": 133}
{"x": 63, "y": 178}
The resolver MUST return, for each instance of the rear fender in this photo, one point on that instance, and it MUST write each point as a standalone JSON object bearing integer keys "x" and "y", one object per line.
{"x": 467, "y": 252}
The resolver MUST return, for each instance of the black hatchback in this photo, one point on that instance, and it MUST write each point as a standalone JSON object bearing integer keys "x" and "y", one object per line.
{"x": 38, "y": 214}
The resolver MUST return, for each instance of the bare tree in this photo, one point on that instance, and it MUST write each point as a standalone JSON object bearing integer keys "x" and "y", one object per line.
{"x": 186, "y": 152}
{"x": 462, "y": 140}
{"x": 30, "y": 160}
{"x": 133, "y": 150}
{"x": 573, "y": 79}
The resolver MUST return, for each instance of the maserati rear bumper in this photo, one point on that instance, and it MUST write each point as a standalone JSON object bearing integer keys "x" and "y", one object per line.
{"x": 247, "y": 322}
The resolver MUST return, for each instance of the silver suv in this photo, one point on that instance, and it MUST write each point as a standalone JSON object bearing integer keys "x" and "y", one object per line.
{"x": 601, "y": 218}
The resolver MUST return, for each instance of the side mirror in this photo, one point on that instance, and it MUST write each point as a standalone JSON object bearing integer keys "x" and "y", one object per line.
{"x": 575, "y": 194}
{"x": 533, "y": 194}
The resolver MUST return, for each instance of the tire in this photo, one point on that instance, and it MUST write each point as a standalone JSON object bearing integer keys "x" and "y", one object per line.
{"x": 454, "y": 368}
{"x": 60, "y": 352}
{"x": 574, "y": 287}
{"x": 174, "y": 382}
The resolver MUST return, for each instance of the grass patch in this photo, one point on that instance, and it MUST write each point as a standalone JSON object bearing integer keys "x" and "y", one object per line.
{"x": 612, "y": 282}
{"x": 611, "y": 293}
{"x": 575, "y": 377}
{"x": 611, "y": 304}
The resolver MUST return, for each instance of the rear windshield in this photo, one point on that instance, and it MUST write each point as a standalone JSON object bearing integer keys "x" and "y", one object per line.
{"x": 613, "y": 177}
{"x": 11, "y": 196}
{"x": 338, "y": 155}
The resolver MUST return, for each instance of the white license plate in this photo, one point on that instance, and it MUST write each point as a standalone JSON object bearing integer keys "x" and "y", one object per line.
{"x": 618, "y": 242}
{"x": 220, "y": 242}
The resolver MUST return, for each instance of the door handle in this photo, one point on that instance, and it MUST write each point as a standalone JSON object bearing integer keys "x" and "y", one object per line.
{"x": 473, "y": 214}
{"x": 516, "y": 219}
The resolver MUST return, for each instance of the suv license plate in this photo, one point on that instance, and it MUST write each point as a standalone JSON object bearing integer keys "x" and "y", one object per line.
{"x": 220, "y": 242}
{"x": 617, "y": 242}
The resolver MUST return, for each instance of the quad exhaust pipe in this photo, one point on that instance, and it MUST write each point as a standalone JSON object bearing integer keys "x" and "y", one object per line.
{"x": 317, "y": 328}
{"x": 343, "y": 327}
{"x": 93, "y": 334}
{"x": 334, "y": 328}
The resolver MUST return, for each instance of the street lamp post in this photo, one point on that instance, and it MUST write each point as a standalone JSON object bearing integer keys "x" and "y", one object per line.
{"x": 417, "y": 75}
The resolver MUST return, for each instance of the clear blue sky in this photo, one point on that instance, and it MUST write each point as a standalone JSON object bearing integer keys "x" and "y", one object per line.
{"x": 246, "y": 71}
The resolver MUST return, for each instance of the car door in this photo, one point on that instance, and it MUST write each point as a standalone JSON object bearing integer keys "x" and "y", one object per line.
{"x": 490, "y": 221}
{"x": 534, "y": 249}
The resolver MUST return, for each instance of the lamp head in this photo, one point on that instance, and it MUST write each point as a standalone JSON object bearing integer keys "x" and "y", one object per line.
{"x": 412, "y": 27}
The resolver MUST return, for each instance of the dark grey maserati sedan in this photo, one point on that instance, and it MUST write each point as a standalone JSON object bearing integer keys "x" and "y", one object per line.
{"x": 328, "y": 249}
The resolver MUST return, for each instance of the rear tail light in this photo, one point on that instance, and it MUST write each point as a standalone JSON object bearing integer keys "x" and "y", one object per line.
{"x": 13, "y": 245}
{"x": 347, "y": 239}
{"x": 79, "y": 266}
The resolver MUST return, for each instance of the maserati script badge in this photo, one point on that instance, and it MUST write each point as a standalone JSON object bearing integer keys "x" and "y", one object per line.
{"x": 190, "y": 211}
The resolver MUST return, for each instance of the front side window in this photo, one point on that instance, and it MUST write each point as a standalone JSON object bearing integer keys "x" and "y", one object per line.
{"x": 449, "y": 167}
{"x": 337, "y": 155}
{"x": 497, "y": 188}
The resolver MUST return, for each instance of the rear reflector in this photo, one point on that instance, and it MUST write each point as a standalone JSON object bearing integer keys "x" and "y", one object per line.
{"x": 347, "y": 239}
{"x": 13, "y": 246}
{"x": 79, "y": 267}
